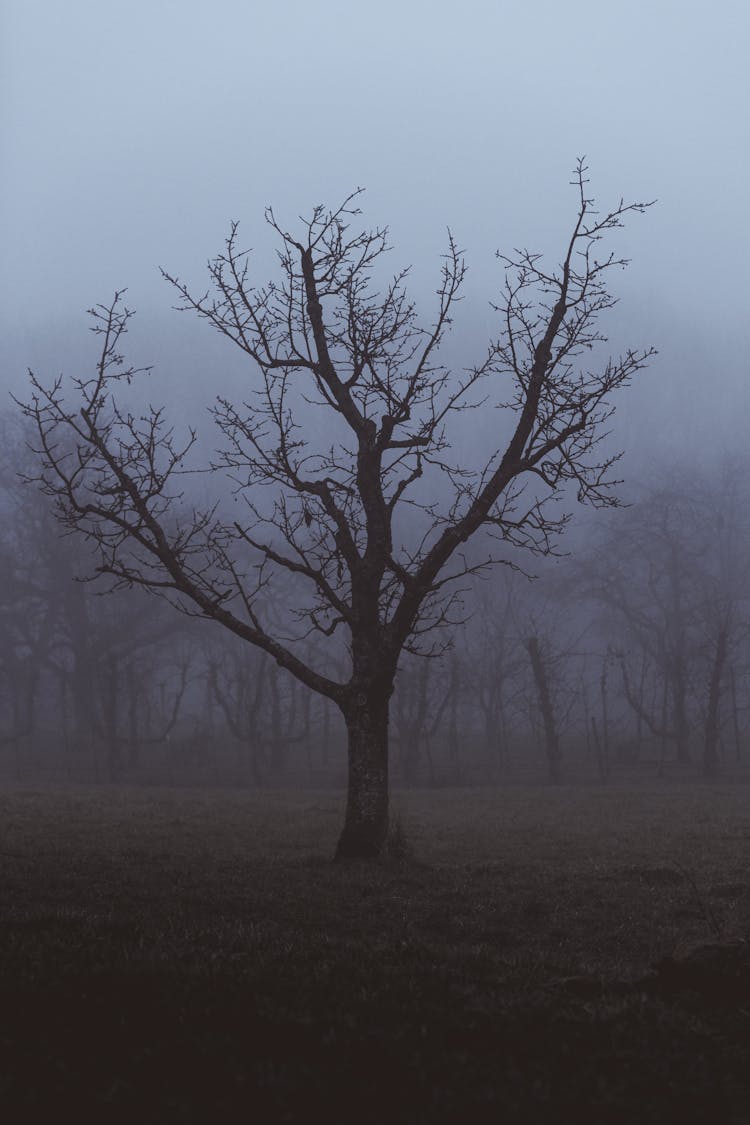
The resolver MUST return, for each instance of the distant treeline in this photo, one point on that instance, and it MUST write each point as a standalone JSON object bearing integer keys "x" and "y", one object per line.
{"x": 631, "y": 654}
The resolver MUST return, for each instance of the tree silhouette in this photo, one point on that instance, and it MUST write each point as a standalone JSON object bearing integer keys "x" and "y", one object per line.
{"x": 341, "y": 508}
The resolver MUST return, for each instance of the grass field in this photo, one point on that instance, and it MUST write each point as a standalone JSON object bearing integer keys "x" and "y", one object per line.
{"x": 521, "y": 955}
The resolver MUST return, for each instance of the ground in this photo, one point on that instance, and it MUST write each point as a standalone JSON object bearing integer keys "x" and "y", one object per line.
{"x": 521, "y": 955}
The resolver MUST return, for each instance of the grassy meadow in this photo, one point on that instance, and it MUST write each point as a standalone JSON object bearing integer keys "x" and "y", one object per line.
{"x": 520, "y": 955}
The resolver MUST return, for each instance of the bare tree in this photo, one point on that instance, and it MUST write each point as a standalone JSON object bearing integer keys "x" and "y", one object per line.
{"x": 672, "y": 579}
{"x": 412, "y": 705}
{"x": 498, "y": 656}
{"x": 723, "y": 573}
{"x": 239, "y": 686}
{"x": 324, "y": 339}
{"x": 644, "y": 576}
{"x": 540, "y": 670}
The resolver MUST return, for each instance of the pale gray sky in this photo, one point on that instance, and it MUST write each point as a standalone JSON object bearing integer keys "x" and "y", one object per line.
{"x": 132, "y": 133}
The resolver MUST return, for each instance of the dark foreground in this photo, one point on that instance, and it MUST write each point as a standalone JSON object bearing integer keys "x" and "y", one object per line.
{"x": 520, "y": 956}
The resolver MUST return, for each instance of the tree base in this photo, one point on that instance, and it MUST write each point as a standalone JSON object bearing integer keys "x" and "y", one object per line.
{"x": 360, "y": 844}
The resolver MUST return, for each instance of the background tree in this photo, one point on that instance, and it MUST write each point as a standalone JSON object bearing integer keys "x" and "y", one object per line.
{"x": 497, "y": 656}
{"x": 330, "y": 339}
{"x": 643, "y": 573}
{"x": 411, "y": 711}
{"x": 671, "y": 577}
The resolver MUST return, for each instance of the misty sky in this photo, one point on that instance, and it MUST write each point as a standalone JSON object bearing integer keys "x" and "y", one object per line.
{"x": 132, "y": 134}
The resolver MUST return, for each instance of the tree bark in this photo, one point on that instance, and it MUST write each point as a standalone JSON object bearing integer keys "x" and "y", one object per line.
{"x": 366, "y": 823}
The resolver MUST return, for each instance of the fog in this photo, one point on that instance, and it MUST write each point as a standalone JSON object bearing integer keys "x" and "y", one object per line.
{"x": 531, "y": 766}
{"x": 130, "y": 139}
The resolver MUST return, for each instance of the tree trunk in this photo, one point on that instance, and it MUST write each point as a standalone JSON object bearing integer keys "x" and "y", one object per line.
{"x": 81, "y": 680}
{"x": 664, "y": 734}
{"x": 735, "y": 718}
{"x": 639, "y": 712}
{"x": 454, "y": 747}
{"x": 552, "y": 739}
{"x": 711, "y": 744}
{"x": 681, "y": 724}
{"x": 278, "y": 742}
{"x": 601, "y": 757}
{"x": 604, "y": 747}
{"x": 326, "y": 733}
{"x": 110, "y": 717}
{"x": 366, "y": 823}
{"x": 134, "y": 749}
